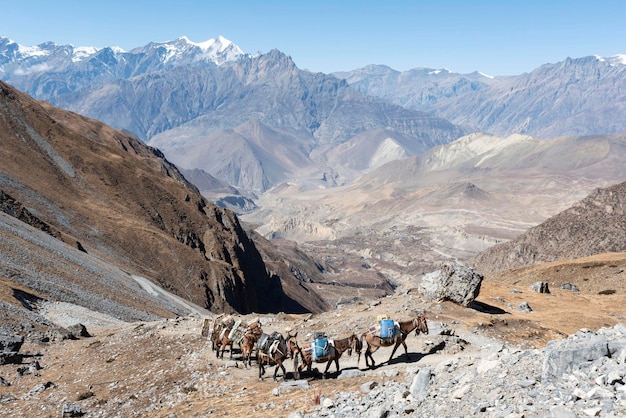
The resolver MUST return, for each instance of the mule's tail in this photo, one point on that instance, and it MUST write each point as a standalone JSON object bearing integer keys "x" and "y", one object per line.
{"x": 360, "y": 342}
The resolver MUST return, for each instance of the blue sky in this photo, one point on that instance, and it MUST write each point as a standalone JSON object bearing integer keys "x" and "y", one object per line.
{"x": 503, "y": 37}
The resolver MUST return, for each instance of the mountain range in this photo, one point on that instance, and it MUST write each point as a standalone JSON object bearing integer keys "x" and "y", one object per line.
{"x": 256, "y": 121}
{"x": 362, "y": 169}
{"x": 578, "y": 96}
{"x": 252, "y": 121}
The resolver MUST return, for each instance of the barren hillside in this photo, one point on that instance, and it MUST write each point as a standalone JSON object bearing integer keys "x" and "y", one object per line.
{"x": 108, "y": 195}
{"x": 596, "y": 224}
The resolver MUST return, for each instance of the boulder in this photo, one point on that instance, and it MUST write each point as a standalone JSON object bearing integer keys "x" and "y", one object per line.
{"x": 419, "y": 386}
{"x": 78, "y": 330}
{"x": 454, "y": 282}
{"x": 540, "y": 287}
{"x": 10, "y": 345}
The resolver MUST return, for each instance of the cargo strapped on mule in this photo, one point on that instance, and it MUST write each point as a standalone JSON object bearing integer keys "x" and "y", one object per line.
{"x": 263, "y": 343}
{"x": 387, "y": 328}
{"x": 236, "y": 334}
{"x": 321, "y": 348}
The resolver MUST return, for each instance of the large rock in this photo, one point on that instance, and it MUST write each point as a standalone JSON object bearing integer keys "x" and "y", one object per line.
{"x": 454, "y": 282}
{"x": 10, "y": 345}
{"x": 419, "y": 386}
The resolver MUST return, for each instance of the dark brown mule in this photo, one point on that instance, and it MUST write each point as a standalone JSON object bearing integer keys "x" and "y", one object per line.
{"x": 278, "y": 350}
{"x": 250, "y": 337}
{"x": 403, "y": 329}
{"x": 337, "y": 348}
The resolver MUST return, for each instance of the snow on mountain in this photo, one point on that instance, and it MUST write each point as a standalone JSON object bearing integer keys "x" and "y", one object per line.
{"x": 83, "y": 52}
{"x": 619, "y": 59}
{"x": 32, "y": 51}
{"x": 181, "y": 51}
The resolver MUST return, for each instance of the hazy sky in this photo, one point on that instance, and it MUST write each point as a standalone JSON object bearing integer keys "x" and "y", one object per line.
{"x": 497, "y": 37}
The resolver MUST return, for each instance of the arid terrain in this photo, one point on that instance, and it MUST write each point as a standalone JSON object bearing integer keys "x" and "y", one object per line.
{"x": 98, "y": 229}
{"x": 165, "y": 368}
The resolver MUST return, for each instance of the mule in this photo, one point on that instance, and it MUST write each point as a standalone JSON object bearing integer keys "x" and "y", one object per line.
{"x": 277, "y": 351}
{"x": 250, "y": 337}
{"x": 222, "y": 342}
{"x": 402, "y": 330}
{"x": 337, "y": 348}
{"x": 219, "y": 334}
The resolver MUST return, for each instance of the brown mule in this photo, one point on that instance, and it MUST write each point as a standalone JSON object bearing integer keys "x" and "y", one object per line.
{"x": 403, "y": 329}
{"x": 337, "y": 348}
{"x": 250, "y": 337}
{"x": 277, "y": 351}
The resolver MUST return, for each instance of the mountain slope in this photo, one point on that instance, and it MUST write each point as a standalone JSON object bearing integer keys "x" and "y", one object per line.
{"x": 123, "y": 202}
{"x": 596, "y": 224}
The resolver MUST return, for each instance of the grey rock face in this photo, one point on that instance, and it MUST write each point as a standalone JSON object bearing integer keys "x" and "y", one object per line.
{"x": 454, "y": 282}
{"x": 587, "y": 352}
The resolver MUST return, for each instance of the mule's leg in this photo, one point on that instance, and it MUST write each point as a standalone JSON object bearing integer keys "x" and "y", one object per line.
{"x": 261, "y": 368}
{"x": 244, "y": 358}
{"x": 280, "y": 364}
{"x": 296, "y": 367}
{"x": 395, "y": 347}
{"x": 328, "y": 363}
{"x": 368, "y": 354}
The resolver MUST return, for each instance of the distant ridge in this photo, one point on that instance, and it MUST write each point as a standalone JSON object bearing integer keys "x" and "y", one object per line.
{"x": 577, "y": 96}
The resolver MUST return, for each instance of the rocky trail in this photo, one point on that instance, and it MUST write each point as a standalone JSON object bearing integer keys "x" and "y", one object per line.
{"x": 492, "y": 359}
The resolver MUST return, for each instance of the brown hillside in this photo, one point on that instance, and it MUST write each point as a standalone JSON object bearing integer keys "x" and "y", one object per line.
{"x": 597, "y": 224}
{"x": 113, "y": 197}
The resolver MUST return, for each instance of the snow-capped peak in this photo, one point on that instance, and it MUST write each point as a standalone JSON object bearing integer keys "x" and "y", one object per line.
{"x": 83, "y": 52}
{"x": 217, "y": 50}
{"x": 32, "y": 51}
{"x": 619, "y": 59}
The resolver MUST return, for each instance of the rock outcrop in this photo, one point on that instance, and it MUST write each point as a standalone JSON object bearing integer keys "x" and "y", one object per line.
{"x": 505, "y": 382}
